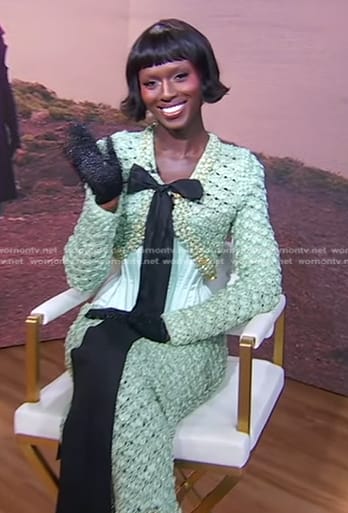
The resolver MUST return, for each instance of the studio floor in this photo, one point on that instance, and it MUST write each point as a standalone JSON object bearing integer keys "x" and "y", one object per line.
{"x": 300, "y": 464}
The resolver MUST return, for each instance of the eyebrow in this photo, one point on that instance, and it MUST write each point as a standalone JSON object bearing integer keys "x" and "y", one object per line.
{"x": 178, "y": 67}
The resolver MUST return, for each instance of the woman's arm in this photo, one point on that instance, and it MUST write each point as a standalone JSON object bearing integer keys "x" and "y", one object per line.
{"x": 256, "y": 263}
{"x": 88, "y": 252}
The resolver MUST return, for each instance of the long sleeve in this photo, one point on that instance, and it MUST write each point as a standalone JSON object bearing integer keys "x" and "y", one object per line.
{"x": 88, "y": 252}
{"x": 256, "y": 263}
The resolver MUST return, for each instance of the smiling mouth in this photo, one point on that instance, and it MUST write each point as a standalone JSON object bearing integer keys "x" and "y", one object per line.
{"x": 174, "y": 110}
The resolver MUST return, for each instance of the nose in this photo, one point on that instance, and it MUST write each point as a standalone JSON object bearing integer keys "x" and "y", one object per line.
{"x": 168, "y": 90}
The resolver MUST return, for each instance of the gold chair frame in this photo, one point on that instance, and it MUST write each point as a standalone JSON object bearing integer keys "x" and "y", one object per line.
{"x": 230, "y": 475}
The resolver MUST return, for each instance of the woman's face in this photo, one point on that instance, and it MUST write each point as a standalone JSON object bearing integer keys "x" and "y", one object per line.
{"x": 172, "y": 93}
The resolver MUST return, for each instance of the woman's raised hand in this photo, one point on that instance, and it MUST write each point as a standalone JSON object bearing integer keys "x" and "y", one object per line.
{"x": 100, "y": 171}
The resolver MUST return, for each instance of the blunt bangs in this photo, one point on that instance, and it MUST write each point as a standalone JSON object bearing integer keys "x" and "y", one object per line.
{"x": 168, "y": 41}
{"x": 156, "y": 49}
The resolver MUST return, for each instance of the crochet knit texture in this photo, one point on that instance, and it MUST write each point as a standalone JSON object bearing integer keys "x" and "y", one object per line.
{"x": 162, "y": 383}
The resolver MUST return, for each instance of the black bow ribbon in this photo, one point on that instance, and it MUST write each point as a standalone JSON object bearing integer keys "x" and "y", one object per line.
{"x": 140, "y": 179}
{"x": 157, "y": 257}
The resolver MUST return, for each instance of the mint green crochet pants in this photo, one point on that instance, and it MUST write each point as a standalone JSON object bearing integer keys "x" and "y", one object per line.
{"x": 160, "y": 385}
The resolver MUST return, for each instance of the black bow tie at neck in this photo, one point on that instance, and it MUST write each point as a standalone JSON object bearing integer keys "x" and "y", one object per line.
{"x": 158, "y": 242}
{"x": 140, "y": 179}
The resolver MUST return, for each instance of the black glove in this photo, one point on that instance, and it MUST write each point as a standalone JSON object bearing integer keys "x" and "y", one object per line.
{"x": 152, "y": 327}
{"x": 103, "y": 173}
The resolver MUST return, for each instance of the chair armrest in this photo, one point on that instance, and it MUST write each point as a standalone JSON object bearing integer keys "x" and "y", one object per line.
{"x": 65, "y": 301}
{"x": 251, "y": 336}
{"x": 43, "y": 314}
{"x": 60, "y": 304}
{"x": 261, "y": 326}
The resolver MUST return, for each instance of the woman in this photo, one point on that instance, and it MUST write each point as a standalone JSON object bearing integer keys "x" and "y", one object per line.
{"x": 156, "y": 326}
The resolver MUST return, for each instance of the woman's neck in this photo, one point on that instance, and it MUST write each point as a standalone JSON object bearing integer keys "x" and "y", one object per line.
{"x": 181, "y": 144}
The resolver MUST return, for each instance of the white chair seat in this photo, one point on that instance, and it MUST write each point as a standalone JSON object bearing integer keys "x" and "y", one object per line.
{"x": 208, "y": 435}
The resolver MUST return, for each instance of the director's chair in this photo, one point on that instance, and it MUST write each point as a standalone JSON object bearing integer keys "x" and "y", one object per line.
{"x": 218, "y": 437}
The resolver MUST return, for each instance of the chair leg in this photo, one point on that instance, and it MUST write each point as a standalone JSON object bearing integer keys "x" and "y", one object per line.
{"x": 279, "y": 335}
{"x": 39, "y": 462}
{"x": 218, "y": 493}
{"x": 187, "y": 484}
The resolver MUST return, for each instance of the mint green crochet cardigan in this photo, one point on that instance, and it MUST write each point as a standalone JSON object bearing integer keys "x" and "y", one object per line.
{"x": 234, "y": 204}
{"x": 162, "y": 383}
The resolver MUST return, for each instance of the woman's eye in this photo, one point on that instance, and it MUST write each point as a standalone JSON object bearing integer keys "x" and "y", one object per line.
{"x": 181, "y": 76}
{"x": 150, "y": 84}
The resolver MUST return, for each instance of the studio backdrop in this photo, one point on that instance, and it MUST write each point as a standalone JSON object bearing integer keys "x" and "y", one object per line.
{"x": 284, "y": 62}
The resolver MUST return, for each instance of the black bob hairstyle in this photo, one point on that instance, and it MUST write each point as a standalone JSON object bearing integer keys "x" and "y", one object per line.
{"x": 167, "y": 41}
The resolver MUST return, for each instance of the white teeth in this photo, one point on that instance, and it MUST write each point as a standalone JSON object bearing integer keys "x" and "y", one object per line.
{"x": 173, "y": 109}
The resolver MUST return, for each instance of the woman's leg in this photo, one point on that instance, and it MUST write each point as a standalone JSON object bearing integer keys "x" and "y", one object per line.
{"x": 160, "y": 385}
